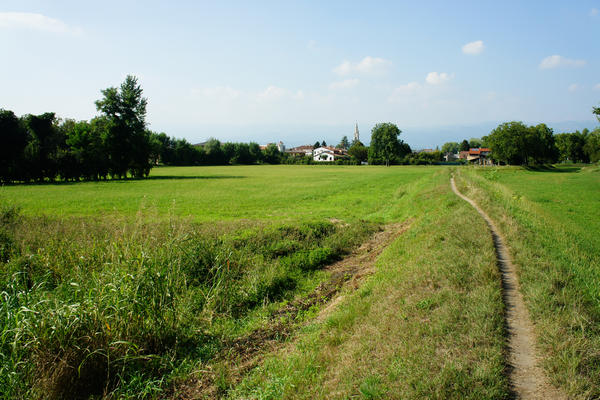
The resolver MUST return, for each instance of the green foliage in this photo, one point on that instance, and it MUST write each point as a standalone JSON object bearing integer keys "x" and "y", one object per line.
{"x": 126, "y": 138}
{"x": 344, "y": 143}
{"x": 592, "y": 146}
{"x": 464, "y": 145}
{"x": 450, "y": 147}
{"x": 385, "y": 147}
{"x": 515, "y": 143}
{"x": 570, "y": 146}
{"x": 93, "y": 307}
{"x": 359, "y": 152}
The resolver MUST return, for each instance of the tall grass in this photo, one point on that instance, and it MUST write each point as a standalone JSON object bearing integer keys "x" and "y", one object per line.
{"x": 118, "y": 307}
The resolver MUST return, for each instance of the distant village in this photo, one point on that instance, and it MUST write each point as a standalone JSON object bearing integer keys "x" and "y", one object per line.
{"x": 324, "y": 153}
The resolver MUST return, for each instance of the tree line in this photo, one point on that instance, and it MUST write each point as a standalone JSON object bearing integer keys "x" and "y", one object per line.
{"x": 516, "y": 143}
{"x": 115, "y": 144}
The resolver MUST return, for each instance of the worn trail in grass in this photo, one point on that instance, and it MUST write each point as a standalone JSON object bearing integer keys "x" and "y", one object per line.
{"x": 549, "y": 220}
{"x": 527, "y": 378}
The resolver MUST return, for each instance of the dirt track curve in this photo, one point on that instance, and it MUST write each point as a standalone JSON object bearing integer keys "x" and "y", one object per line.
{"x": 527, "y": 379}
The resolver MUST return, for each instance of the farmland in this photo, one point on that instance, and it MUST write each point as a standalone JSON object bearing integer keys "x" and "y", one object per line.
{"x": 243, "y": 282}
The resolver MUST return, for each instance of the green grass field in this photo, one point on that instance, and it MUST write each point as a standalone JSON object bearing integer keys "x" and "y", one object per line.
{"x": 212, "y": 282}
{"x": 550, "y": 219}
{"x": 287, "y": 192}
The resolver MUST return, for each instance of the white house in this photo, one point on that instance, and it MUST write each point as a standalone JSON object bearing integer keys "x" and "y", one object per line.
{"x": 323, "y": 154}
{"x": 329, "y": 154}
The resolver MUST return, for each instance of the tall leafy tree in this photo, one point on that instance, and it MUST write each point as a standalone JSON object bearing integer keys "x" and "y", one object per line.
{"x": 14, "y": 138}
{"x": 41, "y": 152}
{"x": 127, "y": 140}
{"x": 386, "y": 147}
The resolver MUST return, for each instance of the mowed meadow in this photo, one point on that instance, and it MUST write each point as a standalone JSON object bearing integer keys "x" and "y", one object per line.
{"x": 268, "y": 282}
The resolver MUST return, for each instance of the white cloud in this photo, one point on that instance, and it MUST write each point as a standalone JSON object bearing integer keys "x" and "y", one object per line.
{"x": 434, "y": 78}
{"x": 272, "y": 93}
{"x": 368, "y": 65}
{"x": 597, "y": 86}
{"x": 221, "y": 93}
{"x": 299, "y": 95}
{"x": 556, "y": 61}
{"x": 34, "y": 21}
{"x": 404, "y": 91}
{"x": 475, "y": 47}
{"x": 345, "y": 84}
{"x": 573, "y": 87}
{"x": 594, "y": 12}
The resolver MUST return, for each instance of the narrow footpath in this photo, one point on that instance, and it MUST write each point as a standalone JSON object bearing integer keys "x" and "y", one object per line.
{"x": 527, "y": 378}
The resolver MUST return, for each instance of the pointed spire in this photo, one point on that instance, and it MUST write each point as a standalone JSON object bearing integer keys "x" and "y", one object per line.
{"x": 356, "y": 135}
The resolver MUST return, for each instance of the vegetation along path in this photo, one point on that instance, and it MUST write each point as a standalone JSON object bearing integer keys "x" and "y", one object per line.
{"x": 527, "y": 378}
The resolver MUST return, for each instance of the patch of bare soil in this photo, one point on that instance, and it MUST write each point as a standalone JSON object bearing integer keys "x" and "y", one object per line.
{"x": 242, "y": 354}
{"x": 527, "y": 379}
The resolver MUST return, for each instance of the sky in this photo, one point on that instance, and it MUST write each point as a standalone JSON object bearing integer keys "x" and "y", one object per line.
{"x": 303, "y": 71}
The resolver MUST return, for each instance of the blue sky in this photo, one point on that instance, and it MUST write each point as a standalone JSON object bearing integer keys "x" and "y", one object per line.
{"x": 306, "y": 71}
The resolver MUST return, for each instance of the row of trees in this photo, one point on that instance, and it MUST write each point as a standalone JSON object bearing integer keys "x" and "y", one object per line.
{"x": 116, "y": 143}
{"x": 517, "y": 143}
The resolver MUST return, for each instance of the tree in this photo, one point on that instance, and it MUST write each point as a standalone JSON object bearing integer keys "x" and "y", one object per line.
{"x": 385, "y": 146}
{"x": 592, "y": 146}
{"x": 14, "y": 139}
{"x": 127, "y": 140}
{"x": 464, "y": 145}
{"x": 596, "y": 111}
{"x": 41, "y": 153}
{"x": 323, "y": 144}
{"x": 475, "y": 143}
{"x": 450, "y": 147}
{"x": 316, "y": 145}
{"x": 540, "y": 144}
{"x": 272, "y": 154}
{"x": 508, "y": 142}
{"x": 344, "y": 144}
{"x": 358, "y": 152}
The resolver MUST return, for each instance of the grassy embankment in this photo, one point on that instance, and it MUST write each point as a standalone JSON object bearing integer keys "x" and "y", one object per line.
{"x": 428, "y": 324}
{"x": 550, "y": 221}
{"x": 129, "y": 288}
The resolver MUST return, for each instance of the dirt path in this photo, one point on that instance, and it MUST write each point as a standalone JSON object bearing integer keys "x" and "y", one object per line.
{"x": 527, "y": 378}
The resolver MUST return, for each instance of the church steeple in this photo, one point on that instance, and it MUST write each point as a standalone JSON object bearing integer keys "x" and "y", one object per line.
{"x": 356, "y": 136}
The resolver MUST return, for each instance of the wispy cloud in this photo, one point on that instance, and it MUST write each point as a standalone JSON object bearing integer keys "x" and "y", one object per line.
{"x": 404, "y": 91}
{"x": 473, "y": 48}
{"x": 368, "y": 65}
{"x": 573, "y": 87}
{"x": 345, "y": 84}
{"x": 597, "y": 86}
{"x": 435, "y": 78}
{"x": 594, "y": 12}
{"x": 272, "y": 93}
{"x": 34, "y": 21}
{"x": 557, "y": 61}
